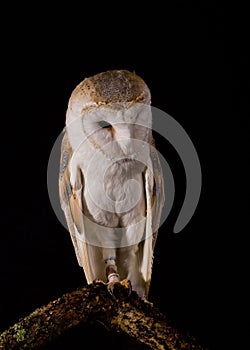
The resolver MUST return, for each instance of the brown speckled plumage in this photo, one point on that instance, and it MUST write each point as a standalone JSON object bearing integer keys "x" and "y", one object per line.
{"x": 111, "y": 87}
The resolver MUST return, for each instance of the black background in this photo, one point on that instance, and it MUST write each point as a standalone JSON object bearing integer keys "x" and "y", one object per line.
{"x": 194, "y": 60}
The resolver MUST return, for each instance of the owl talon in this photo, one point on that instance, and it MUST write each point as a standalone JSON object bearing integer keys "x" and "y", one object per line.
{"x": 98, "y": 281}
{"x": 113, "y": 286}
{"x": 110, "y": 288}
{"x": 127, "y": 284}
{"x": 148, "y": 303}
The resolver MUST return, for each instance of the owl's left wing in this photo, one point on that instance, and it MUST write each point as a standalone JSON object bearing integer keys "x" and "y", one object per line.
{"x": 71, "y": 203}
{"x": 155, "y": 197}
{"x": 156, "y": 193}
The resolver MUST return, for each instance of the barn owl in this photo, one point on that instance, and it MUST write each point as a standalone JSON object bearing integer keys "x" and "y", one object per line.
{"x": 110, "y": 182}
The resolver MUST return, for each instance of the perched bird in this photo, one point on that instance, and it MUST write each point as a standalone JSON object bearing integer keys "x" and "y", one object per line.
{"x": 110, "y": 181}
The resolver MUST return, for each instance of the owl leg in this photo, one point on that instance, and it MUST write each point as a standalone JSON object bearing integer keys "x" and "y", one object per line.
{"x": 113, "y": 277}
{"x": 111, "y": 270}
{"x": 111, "y": 273}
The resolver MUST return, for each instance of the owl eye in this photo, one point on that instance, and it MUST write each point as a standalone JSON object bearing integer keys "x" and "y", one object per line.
{"x": 103, "y": 124}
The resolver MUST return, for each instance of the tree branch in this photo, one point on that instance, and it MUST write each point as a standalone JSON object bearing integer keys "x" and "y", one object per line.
{"x": 131, "y": 315}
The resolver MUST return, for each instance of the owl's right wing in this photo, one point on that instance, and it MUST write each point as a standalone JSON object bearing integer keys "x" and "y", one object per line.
{"x": 71, "y": 203}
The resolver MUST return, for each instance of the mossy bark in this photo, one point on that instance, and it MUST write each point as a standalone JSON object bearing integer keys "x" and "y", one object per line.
{"x": 128, "y": 314}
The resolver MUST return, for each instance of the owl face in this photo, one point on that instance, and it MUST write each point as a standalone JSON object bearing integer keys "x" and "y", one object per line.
{"x": 119, "y": 131}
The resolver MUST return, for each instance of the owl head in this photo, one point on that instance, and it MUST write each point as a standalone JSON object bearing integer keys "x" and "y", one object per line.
{"x": 111, "y": 112}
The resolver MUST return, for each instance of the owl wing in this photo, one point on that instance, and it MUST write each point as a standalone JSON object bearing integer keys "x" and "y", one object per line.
{"x": 154, "y": 189}
{"x": 156, "y": 192}
{"x": 71, "y": 203}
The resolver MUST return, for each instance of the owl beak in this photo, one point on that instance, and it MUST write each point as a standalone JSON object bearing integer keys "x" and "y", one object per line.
{"x": 126, "y": 147}
{"x": 124, "y": 136}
